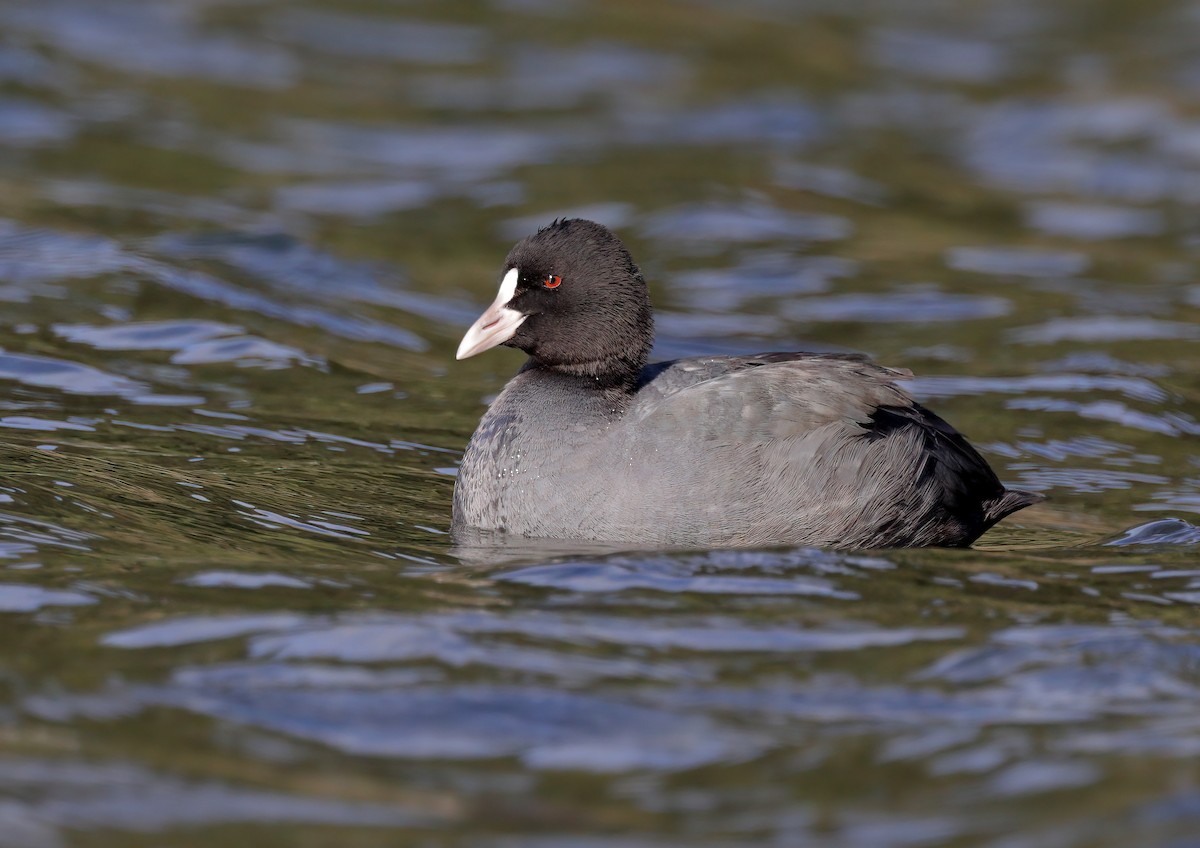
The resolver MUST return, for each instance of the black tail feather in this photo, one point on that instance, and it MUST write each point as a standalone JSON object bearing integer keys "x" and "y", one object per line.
{"x": 1008, "y": 503}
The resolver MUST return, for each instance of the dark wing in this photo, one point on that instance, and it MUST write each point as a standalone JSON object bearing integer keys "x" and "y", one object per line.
{"x": 845, "y": 429}
{"x": 959, "y": 473}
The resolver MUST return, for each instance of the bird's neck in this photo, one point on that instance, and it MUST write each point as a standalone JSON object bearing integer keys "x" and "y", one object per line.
{"x": 614, "y": 380}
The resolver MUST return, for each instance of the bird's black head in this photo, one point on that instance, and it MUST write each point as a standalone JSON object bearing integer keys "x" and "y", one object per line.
{"x": 573, "y": 299}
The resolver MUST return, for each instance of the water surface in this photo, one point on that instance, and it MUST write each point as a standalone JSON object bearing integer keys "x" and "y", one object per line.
{"x": 238, "y": 244}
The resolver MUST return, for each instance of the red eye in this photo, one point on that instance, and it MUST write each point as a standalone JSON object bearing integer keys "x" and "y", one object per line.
{"x": 552, "y": 281}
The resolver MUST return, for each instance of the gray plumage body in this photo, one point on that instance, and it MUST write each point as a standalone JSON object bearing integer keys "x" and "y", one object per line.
{"x": 727, "y": 451}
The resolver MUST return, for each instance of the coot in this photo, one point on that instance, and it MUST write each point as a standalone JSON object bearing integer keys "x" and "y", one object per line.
{"x": 587, "y": 441}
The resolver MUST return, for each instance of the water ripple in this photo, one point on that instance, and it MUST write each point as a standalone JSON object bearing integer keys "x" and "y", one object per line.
{"x": 779, "y": 118}
{"x": 916, "y": 306}
{"x": 1170, "y": 423}
{"x": 616, "y": 73}
{"x": 309, "y": 147}
{"x": 759, "y": 275}
{"x": 194, "y": 342}
{"x": 29, "y": 123}
{"x": 1093, "y": 221}
{"x": 745, "y": 222}
{"x": 1134, "y": 388}
{"x": 1017, "y": 262}
{"x": 77, "y": 795}
{"x": 544, "y": 728}
{"x": 445, "y": 637}
{"x": 379, "y": 37}
{"x": 292, "y": 266}
{"x": 31, "y": 256}
{"x": 617, "y": 574}
{"x": 184, "y": 631}
{"x": 1164, "y": 531}
{"x": 939, "y": 56}
{"x": 15, "y": 597}
{"x": 74, "y": 378}
{"x": 1104, "y": 328}
{"x": 243, "y": 580}
{"x": 149, "y": 38}
{"x": 206, "y": 287}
